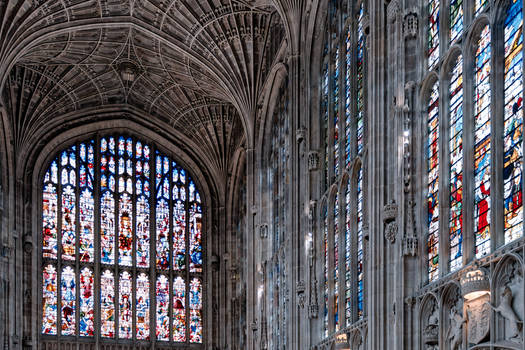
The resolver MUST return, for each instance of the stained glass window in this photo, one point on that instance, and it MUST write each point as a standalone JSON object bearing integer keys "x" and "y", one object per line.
{"x": 359, "y": 240}
{"x": 325, "y": 244}
{"x": 348, "y": 97}
{"x": 324, "y": 109}
{"x": 513, "y": 128}
{"x": 360, "y": 80}
{"x": 456, "y": 164}
{"x": 482, "y": 145}
{"x": 433, "y": 33}
{"x": 433, "y": 182}
{"x": 337, "y": 75}
{"x": 141, "y": 285}
{"x": 348, "y": 253}
{"x": 336, "y": 264}
{"x": 456, "y": 20}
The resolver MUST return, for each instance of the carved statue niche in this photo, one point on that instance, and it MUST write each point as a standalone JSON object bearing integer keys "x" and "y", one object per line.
{"x": 454, "y": 319}
{"x": 430, "y": 324}
{"x": 509, "y": 303}
{"x": 357, "y": 341}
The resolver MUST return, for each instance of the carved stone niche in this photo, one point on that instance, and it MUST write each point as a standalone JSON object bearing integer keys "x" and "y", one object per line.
{"x": 410, "y": 25}
{"x": 263, "y": 231}
{"x": 508, "y": 304}
{"x": 430, "y": 324}
{"x": 390, "y": 211}
{"x": 453, "y": 318}
{"x": 313, "y": 160}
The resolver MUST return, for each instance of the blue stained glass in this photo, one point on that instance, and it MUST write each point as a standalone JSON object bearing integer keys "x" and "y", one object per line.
{"x": 456, "y": 20}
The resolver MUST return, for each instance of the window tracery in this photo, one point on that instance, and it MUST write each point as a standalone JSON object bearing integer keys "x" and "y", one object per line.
{"x": 106, "y": 239}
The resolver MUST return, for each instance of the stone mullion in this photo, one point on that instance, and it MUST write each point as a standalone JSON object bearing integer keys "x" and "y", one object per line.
{"x": 187, "y": 262}
{"x": 134, "y": 274}
{"x": 59, "y": 250}
{"x": 170, "y": 251}
{"x": 116, "y": 197}
{"x": 468, "y": 206}
{"x": 96, "y": 232}
{"x": 153, "y": 244}
{"x": 354, "y": 283}
{"x": 342, "y": 259}
{"x": 330, "y": 273}
{"x": 444, "y": 173}
{"x": 497, "y": 108}
{"x": 77, "y": 240}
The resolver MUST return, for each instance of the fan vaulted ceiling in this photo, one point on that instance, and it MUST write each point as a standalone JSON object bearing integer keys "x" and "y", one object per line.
{"x": 198, "y": 64}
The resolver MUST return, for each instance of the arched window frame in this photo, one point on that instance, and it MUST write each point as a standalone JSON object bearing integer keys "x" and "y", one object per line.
{"x": 116, "y": 270}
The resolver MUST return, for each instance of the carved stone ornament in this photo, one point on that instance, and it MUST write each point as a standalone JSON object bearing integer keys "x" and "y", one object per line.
{"x": 390, "y": 211}
{"x": 263, "y": 231}
{"x": 301, "y": 295}
{"x": 391, "y": 232}
{"x": 301, "y": 134}
{"x": 455, "y": 327}
{"x": 313, "y": 311}
{"x": 28, "y": 243}
{"x": 410, "y": 25}
{"x": 410, "y": 246}
{"x": 392, "y": 11}
{"x": 431, "y": 330}
{"x": 312, "y": 212}
{"x": 478, "y": 314}
{"x": 313, "y": 160}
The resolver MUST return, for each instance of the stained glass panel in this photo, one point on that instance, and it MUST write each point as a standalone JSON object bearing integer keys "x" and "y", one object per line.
{"x": 142, "y": 307}
{"x": 107, "y": 304}
{"x": 68, "y": 290}
{"x": 163, "y": 301}
{"x": 480, "y": 6}
{"x": 49, "y": 300}
{"x": 348, "y": 97}
{"x": 195, "y": 311}
{"x": 456, "y": 165}
{"x": 179, "y": 310}
{"x": 68, "y": 204}
{"x": 433, "y": 182}
{"x": 325, "y": 239}
{"x": 433, "y": 33}
{"x": 86, "y": 203}
{"x": 348, "y": 253}
{"x": 107, "y": 201}
{"x": 482, "y": 155}
{"x": 50, "y": 215}
{"x": 125, "y": 311}
{"x": 195, "y": 236}
{"x": 359, "y": 236}
{"x": 360, "y": 79}
{"x": 87, "y": 306}
{"x": 456, "y": 20}
{"x": 336, "y": 264}
{"x": 513, "y": 134}
{"x": 335, "y": 91}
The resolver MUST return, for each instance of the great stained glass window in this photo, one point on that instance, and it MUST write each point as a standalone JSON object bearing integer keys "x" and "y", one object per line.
{"x": 433, "y": 182}
{"x": 456, "y": 164}
{"x": 513, "y": 128}
{"x": 433, "y": 33}
{"x": 482, "y": 145}
{"x": 456, "y": 20}
{"x": 104, "y": 232}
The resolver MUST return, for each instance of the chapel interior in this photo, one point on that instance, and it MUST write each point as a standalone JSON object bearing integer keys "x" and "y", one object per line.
{"x": 261, "y": 175}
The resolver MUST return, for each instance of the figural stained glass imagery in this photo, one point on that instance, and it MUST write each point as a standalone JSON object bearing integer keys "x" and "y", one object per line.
{"x": 112, "y": 230}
